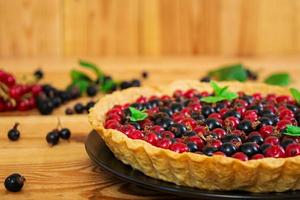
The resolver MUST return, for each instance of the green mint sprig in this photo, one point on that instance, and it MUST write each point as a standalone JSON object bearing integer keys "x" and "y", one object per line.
{"x": 292, "y": 131}
{"x": 220, "y": 94}
{"x": 228, "y": 73}
{"x": 137, "y": 115}
{"x": 296, "y": 94}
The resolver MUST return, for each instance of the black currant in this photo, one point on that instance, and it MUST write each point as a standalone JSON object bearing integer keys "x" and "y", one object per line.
{"x": 39, "y": 74}
{"x": 209, "y": 150}
{"x": 249, "y": 148}
{"x": 69, "y": 111}
{"x": 14, "y": 134}
{"x": 14, "y": 182}
{"x": 207, "y": 110}
{"x": 192, "y": 146}
{"x": 79, "y": 108}
{"x": 245, "y": 126}
{"x": 52, "y": 137}
{"x": 228, "y": 148}
{"x": 65, "y": 133}
{"x": 205, "y": 79}
{"x": 212, "y": 123}
{"x": 89, "y": 105}
{"x": 92, "y": 90}
{"x": 177, "y": 129}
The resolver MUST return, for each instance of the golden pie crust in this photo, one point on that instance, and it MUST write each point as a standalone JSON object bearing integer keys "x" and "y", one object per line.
{"x": 190, "y": 169}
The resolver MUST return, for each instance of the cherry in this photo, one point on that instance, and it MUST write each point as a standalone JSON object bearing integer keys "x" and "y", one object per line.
{"x": 283, "y": 123}
{"x": 197, "y": 140}
{"x": 275, "y": 151}
{"x": 151, "y": 138}
{"x": 111, "y": 124}
{"x": 215, "y": 143}
{"x": 127, "y": 129}
{"x": 136, "y": 134}
{"x": 157, "y": 129}
{"x": 257, "y": 156}
{"x": 293, "y": 150}
{"x": 220, "y": 132}
{"x": 189, "y": 123}
{"x": 240, "y": 155}
{"x": 272, "y": 140}
{"x": 179, "y": 147}
{"x": 215, "y": 115}
{"x": 167, "y": 134}
{"x": 164, "y": 143}
{"x": 219, "y": 153}
{"x": 266, "y": 131}
{"x": 231, "y": 122}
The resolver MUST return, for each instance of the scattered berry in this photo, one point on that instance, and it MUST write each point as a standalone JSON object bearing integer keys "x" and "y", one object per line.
{"x": 53, "y": 137}
{"x": 14, "y": 134}
{"x": 65, "y": 133}
{"x": 14, "y": 182}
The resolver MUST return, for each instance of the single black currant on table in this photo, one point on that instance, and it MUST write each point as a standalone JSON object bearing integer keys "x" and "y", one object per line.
{"x": 14, "y": 182}
{"x": 205, "y": 79}
{"x": 65, "y": 133}
{"x": 79, "y": 108}
{"x": 14, "y": 134}
{"x": 92, "y": 91}
{"x": 145, "y": 74}
{"x": 69, "y": 111}
{"x": 53, "y": 137}
{"x": 39, "y": 74}
{"x": 89, "y": 105}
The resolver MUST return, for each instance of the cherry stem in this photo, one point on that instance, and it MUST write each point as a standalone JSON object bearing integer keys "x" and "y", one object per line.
{"x": 58, "y": 123}
{"x": 16, "y": 125}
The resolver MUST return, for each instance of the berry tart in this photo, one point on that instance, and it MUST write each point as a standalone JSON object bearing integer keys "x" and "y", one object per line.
{"x": 215, "y": 136}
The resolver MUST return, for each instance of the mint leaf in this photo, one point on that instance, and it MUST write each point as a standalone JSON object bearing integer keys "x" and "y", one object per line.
{"x": 78, "y": 75}
{"x": 220, "y": 94}
{"x": 91, "y": 66}
{"x": 212, "y": 99}
{"x": 292, "y": 130}
{"x": 296, "y": 94}
{"x": 81, "y": 84}
{"x": 107, "y": 86}
{"x": 137, "y": 115}
{"x": 232, "y": 72}
{"x": 281, "y": 79}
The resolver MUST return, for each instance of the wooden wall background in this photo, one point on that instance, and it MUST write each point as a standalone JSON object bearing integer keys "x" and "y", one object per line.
{"x": 33, "y": 28}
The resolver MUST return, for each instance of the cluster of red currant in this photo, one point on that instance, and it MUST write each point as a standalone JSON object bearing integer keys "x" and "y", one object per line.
{"x": 17, "y": 96}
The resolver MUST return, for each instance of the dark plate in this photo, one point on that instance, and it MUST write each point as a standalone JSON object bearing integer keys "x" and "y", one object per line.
{"x": 102, "y": 156}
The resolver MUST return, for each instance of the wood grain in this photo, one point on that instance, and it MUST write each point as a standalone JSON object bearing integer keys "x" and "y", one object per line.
{"x": 29, "y": 28}
{"x": 65, "y": 171}
{"x": 32, "y": 28}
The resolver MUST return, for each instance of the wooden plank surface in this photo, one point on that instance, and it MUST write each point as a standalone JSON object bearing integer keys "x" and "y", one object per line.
{"x": 33, "y": 28}
{"x": 65, "y": 171}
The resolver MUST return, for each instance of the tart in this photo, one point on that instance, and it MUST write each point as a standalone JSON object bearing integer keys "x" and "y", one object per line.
{"x": 226, "y": 145}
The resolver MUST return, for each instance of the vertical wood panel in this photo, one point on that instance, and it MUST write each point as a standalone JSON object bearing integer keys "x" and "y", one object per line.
{"x": 101, "y": 27}
{"x": 30, "y": 28}
{"x": 149, "y": 27}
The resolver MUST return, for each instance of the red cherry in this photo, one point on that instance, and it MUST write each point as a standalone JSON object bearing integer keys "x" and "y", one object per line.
{"x": 136, "y": 134}
{"x": 199, "y": 142}
{"x": 272, "y": 140}
{"x": 220, "y": 132}
{"x": 165, "y": 98}
{"x": 204, "y": 94}
{"x": 216, "y": 143}
{"x": 282, "y": 98}
{"x": 266, "y": 131}
{"x": 189, "y": 123}
{"x": 2, "y": 105}
{"x": 283, "y": 123}
{"x": 185, "y": 112}
{"x": 275, "y": 151}
{"x": 285, "y": 112}
{"x": 195, "y": 106}
{"x": 127, "y": 129}
{"x": 190, "y": 93}
{"x": 241, "y": 110}
{"x": 257, "y": 96}
{"x": 111, "y": 124}
{"x": 9, "y": 106}
{"x": 15, "y": 92}
{"x": 141, "y": 99}
{"x": 293, "y": 150}
{"x": 240, "y": 103}
{"x": 257, "y": 156}
{"x": 177, "y": 93}
{"x": 215, "y": 115}
{"x": 179, "y": 147}
{"x": 151, "y": 138}
{"x": 10, "y": 80}
{"x": 231, "y": 122}
{"x": 117, "y": 111}
{"x": 240, "y": 155}
{"x": 157, "y": 129}
{"x": 23, "y": 105}
{"x": 168, "y": 134}
{"x": 36, "y": 90}
{"x": 271, "y": 97}
{"x": 164, "y": 143}
{"x": 223, "y": 111}
{"x": 200, "y": 130}
{"x": 114, "y": 116}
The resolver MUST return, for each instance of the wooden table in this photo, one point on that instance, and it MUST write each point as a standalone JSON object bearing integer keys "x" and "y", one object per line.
{"x": 65, "y": 171}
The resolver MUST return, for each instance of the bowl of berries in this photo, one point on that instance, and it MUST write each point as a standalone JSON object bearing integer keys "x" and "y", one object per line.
{"x": 223, "y": 136}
